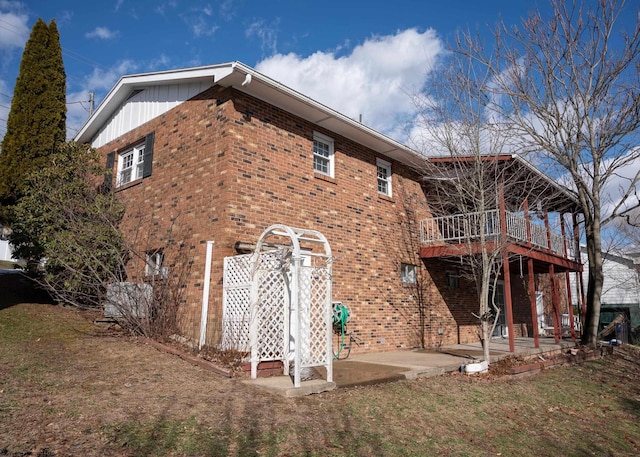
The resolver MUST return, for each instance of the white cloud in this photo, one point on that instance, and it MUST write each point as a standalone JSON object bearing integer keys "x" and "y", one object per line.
{"x": 14, "y": 31}
{"x": 77, "y": 111}
{"x": 626, "y": 176}
{"x": 100, "y": 81}
{"x": 267, "y": 34}
{"x": 5, "y": 103}
{"x": 102, "y": 32}
{"x": 228, "y": 10}
{"x": 161, "y": 62}
{"x": 118, "y": 4}
{"x": 161, "y": 8}
{"x": 197, "y": 20}
{"x": 64, "y": 18}
{"x": 376, "y": 80}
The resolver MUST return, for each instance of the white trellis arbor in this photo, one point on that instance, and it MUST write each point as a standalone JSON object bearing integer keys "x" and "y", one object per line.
{"x": 291, "y": 311}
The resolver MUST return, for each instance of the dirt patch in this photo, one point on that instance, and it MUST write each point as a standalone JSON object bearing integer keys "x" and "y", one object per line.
{"x": 69, "y": 388}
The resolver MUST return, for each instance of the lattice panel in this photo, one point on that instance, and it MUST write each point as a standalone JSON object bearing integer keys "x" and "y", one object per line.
{"x": 237, "y": 270}
{"x": 275, "y": 260}
{"x": 271, "y": 308}
{"x": 259, "y": 310}
{"x": 314, "y": 288}
{"x": 236, "y": 310}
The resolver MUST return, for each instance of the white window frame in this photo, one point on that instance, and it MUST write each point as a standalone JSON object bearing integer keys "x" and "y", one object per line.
{"x": 409, "y": 273}
{"x": 325, "y": 161}
{"x": 154, "y": 261}
{"x": 383, "y": 175}
{"x": 129, "y": 171}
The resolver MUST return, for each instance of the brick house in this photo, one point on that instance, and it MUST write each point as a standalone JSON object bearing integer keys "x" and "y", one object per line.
{"x": 219, "y": 153}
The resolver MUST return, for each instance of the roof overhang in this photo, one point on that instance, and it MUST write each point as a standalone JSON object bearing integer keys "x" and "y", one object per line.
{"x": 245, "y": 79}
{"x": 563, "y": 196}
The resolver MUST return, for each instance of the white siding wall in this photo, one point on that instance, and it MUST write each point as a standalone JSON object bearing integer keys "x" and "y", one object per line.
{"x": 144, "y": 106}
{"x": 6, "y": 253}
{"x": 621, "y": 284}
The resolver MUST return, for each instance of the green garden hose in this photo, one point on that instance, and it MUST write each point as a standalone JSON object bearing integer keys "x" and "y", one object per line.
{"x": 340, "y": 319}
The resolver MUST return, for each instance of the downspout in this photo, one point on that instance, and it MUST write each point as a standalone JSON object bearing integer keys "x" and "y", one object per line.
{"x": 205, "y": 295}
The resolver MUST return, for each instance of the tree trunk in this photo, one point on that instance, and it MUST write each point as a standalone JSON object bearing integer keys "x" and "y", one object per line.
{"x": 486, "y": 339}
{"x": 594, "y": 284}
{"x": 485, "y": 319}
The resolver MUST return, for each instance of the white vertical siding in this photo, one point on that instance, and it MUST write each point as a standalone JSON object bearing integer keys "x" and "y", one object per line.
{"x": 6, "y": 252}
{"x": 144, "y": 106}
{"x": 621, "y": 282}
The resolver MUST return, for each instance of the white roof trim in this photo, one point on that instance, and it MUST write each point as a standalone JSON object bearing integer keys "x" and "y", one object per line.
{"x": 126, "y": 84}
{"x": 234, "y": 74}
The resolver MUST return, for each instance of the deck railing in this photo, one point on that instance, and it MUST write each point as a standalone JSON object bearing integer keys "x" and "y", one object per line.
{"x": 462, "y": 228}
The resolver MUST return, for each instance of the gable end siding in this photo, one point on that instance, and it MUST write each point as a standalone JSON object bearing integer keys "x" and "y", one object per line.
{"x": 144, "y": 106}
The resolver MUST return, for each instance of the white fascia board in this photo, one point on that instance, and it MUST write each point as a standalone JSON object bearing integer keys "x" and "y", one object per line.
{"x": 119, "y": 93}
{"x": 234, "y": 75}
{"x": 290, "y": 100}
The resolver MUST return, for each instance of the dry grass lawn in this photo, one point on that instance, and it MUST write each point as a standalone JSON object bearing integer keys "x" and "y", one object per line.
{"x": 68, "y": 388}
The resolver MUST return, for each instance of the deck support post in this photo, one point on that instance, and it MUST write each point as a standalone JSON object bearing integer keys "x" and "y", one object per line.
{"x": 555, "y": 304}
{"x": 532, "y": 300}
{"x": 505, "y": 269}
{"x": 531, "y": 278}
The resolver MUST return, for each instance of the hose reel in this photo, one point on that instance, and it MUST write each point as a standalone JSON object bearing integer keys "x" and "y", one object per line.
{"x": 341, "y": 314}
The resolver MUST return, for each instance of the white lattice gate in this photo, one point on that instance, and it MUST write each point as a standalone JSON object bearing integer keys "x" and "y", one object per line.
{"x": 277, "y": 301}
{"x": 239, "y": 273}
{"x": 236, "y": 299}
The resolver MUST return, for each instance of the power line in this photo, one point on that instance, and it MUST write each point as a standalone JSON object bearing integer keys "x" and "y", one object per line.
{"x": 15, "y": 30}
{"x": 80, "y": 58}
{"x": 78, "y": 102}
{"x": 65, "y": 51}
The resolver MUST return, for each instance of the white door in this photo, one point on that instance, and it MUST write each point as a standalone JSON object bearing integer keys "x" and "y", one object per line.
{"x": 540, "y": 310}
{"x": 501, "y": 329}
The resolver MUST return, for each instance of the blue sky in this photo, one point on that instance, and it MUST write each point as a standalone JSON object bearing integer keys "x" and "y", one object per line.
{"x": 359, "y": 57}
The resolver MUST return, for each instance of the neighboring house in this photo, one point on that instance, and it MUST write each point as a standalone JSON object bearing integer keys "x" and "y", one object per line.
{"x": 621, "y": 287}
{"x": 6, "y": 250}
{"x": 219, "y": 153}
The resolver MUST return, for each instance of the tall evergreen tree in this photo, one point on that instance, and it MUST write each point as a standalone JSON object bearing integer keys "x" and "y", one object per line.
{"x": 36, "y": 125}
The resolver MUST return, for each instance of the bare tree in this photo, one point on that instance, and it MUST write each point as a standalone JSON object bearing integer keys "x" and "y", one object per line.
{"x": 463, "y": 184}
{"x": 567, "y": 87}
{"x": 472, "y": 180}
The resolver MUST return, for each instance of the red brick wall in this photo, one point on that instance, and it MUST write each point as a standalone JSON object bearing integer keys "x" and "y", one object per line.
{"x": 226, "y": 166}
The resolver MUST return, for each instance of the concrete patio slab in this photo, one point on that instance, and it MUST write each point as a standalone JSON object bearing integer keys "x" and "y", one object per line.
{"x": 379, "y": 367}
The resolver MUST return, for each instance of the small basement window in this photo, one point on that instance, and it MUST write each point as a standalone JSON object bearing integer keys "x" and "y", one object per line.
{"x": 408, "y": 273}
{"x": 452, "y": 280}
{"x": 155, "y": 259}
